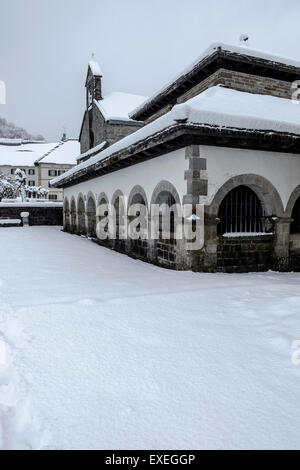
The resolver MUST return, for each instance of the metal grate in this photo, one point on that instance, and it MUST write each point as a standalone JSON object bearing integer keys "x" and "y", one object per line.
{"x": 240, "y": 212}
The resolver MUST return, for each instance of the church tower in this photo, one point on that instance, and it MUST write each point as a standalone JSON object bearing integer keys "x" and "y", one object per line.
{"x": 93, "y": 83}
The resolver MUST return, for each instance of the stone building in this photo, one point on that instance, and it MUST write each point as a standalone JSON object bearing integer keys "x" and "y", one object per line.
{"x": 223, "y": 135}
{"x": 106, "y": 119}
{"x": 40, "y": 161}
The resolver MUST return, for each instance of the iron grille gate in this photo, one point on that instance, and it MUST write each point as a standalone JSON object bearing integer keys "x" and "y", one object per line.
{"x": 241, "y": 212}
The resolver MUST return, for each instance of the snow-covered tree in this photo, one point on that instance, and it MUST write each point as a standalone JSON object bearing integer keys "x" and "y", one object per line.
{"x": 8, "y": 189}
{"x": 21, "y": 183}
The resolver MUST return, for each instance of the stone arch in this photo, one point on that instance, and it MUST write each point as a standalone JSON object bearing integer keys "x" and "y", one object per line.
{"x": 73, "y": 215}
{"x": 165, "y": 186}
{"x": 264, "y": 189}
{"x": 66, "y": 214}
{"x": 81, "y": 215}
{"x": 137, "y": 190}
{"x": 91, "y": 215}
{"x": 292, "y": 201}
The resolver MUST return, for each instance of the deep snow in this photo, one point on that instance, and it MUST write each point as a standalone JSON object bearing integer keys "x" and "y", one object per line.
{"x": 106, "y": 352}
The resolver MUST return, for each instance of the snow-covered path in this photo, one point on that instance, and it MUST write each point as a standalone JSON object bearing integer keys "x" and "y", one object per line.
{"x": 109, "y": 352}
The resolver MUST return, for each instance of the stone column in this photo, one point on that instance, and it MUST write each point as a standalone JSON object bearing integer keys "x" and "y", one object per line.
{"x": 281, "y": 253}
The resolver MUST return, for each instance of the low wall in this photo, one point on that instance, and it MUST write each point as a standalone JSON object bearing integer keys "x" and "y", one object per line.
{"x": 39, "y": 213}
{"x": 245, "y": 254}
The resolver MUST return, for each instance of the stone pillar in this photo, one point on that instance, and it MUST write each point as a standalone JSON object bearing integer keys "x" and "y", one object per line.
{"x": 197, "y": 186}
{"x": 281, "y": 253}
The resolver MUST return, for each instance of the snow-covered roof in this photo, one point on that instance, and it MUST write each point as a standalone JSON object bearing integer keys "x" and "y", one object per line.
{"x": 64, "y": 153}
{"x": 217, "y": 106}
{"x": 23, "y": 154}
{"x": 116, "y": 106}
{"x": 219, "y": 46}
{"x": 93, "y": 150}
{"x": 95, "y": 68}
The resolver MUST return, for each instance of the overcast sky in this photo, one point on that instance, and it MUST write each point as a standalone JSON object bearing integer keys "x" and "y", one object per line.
{"x": 45, "y": 46}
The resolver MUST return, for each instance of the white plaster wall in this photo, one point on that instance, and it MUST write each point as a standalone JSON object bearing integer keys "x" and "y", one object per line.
{"x": 281, "y": 169}
{"x": 170, "y": 167}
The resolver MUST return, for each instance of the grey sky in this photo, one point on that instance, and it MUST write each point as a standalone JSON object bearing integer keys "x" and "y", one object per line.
{"x": 45, "y": 46}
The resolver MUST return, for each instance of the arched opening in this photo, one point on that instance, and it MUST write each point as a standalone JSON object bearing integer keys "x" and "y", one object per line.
{"x": 73, "y": 216}
{"x": 240, "y": 212}
{"x": 66, "y": 215}
{"x": 91, "y": 217}
{"x": 102, "y": 217}
{"x": 137, "y": 209}
{"x": 81, "y": 217}
{"x": 295, "y": 226}
{"x": 166, "y": 225}
{"x": 166, "y": 202}
{"x": 119, "y": 221}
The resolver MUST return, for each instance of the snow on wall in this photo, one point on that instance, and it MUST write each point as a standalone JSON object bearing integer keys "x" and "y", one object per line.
{"x": 170, "y": 167}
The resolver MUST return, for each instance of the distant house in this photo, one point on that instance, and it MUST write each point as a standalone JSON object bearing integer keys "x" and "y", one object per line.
{"x": 40, "y": 161}
{"x": 224, "y": 134}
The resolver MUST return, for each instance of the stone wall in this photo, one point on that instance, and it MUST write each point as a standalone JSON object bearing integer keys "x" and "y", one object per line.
{"x": 244, "y": 254}
{"x": 43, "y": 215}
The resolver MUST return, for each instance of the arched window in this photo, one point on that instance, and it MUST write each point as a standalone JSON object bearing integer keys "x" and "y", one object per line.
{"x": 241, "y": 212}
{"x": 91, "y": 217}
{"x": 295, "y": 226}
{"x": 138, "y": 208}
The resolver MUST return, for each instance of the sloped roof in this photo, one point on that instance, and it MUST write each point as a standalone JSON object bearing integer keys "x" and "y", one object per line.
{"x": 220, "y": 108}
{"x": 217, "y": 56}
{"x": 116, "y": 106}
{"x": 23, "y": 154}
{"x": 64, "y": 153}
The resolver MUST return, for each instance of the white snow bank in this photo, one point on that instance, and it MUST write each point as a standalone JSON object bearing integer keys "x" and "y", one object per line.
{"x": 18, "y": 425}
{"x": 125, "y": 355}
{"x": 10, "y": 221}
{"x": 216, "y": 106}
{"x": 227, "y": 48}
{"x": 117, "y": 105}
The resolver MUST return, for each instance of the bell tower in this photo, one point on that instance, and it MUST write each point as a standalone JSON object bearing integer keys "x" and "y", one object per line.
{"x": 93, "y": 83}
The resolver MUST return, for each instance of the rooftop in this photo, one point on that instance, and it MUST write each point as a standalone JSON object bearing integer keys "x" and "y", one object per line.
{"x": 224, "y": 110}
{"x": 217, "y": 56}
{"x": 116, "y": 106}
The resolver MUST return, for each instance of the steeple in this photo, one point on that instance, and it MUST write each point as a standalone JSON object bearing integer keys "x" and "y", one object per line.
{"x": 93, "y": 82}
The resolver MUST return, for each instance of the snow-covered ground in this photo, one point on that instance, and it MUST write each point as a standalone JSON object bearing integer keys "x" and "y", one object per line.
{"x": 98, "y": 351}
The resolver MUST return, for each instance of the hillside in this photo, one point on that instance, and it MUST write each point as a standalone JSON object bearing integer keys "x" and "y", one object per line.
{"x": 8, "y": 130}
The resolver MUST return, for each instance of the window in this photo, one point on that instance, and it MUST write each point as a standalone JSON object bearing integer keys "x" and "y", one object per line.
{"x": 52, "y": 172}
{"x": 12, "y": 171}
{"x": 31, "y": 172}
{"x": 31, "y": 183}
{"x": 241, "y": 212}
{"x": 23, "y": 169}
{"x": 53, "y": 197}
